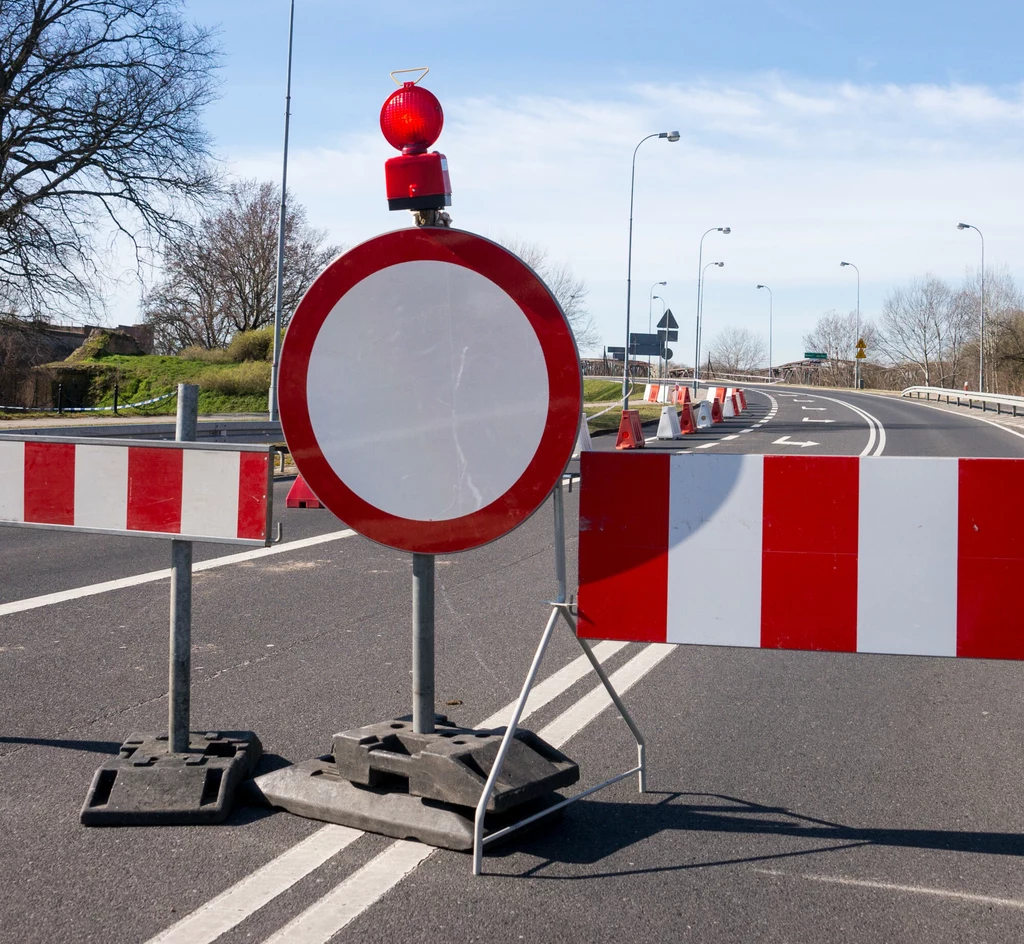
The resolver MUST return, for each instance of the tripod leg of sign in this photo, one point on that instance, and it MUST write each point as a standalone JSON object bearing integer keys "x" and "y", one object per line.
{"x": 564, "y": 609}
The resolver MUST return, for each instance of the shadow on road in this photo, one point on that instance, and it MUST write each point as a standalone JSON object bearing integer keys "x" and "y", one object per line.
{"x": 593, "y": 831}
{"x": 95, "y": 747}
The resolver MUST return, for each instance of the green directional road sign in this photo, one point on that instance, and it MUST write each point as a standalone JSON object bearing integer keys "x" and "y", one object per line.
{"x": 815, "y": 355}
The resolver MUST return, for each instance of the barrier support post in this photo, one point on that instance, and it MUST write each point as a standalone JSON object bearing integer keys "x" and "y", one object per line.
{"x": 179, "y": 683}
{"x": 423, "y": 643}
{"x": 559, "y": 607}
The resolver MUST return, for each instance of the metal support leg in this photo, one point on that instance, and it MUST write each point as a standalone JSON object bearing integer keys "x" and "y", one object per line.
{"x": 563, "y": 609}
{"x": 423, "y": 643}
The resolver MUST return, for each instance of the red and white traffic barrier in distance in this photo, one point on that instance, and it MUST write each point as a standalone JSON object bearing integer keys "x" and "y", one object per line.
{"x": 220, "y": 493}
{"x": 919, "y": 556}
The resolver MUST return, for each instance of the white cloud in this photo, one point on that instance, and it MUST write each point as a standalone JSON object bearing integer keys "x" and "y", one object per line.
{"x": 805, "y": 174}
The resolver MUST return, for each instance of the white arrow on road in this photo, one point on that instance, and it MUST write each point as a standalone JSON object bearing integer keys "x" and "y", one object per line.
{"x": 820, "y": 409}
{"x": 786, "y": 441}
{"x": 807, "y": 419}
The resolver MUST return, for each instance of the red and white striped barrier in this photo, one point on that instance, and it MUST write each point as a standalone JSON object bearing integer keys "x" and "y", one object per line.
{"x": 918, "y": 556}
{"x": 219, "y": 493}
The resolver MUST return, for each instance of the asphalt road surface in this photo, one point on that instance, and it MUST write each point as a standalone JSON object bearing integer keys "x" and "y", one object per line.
{"x": 797, "y": 797}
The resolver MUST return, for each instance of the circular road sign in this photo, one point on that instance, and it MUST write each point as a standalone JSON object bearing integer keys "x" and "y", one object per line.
{"x": 430, "y": 390}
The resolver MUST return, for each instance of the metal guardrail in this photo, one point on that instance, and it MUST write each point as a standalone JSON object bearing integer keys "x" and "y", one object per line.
{"x": 246, "y": 431}
{"x": 968, "y": 398}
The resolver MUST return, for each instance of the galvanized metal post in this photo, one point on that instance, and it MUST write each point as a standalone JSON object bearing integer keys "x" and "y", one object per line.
{"x": 180, "y": 671}
{"x": 423, "y": 643}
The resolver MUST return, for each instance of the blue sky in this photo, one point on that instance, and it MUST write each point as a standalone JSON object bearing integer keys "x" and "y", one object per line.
{"x": 817, "y": 131}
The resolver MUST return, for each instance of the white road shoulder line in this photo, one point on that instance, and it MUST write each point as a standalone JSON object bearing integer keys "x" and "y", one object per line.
{"x": 912, "y": 889}
{"x": 219, "y": 915}
{"x": 574, "y": 719}
{"x": 553, "y": 686}
{"x": 62, "y": 596}
{"x": 707, "y": 445}
{"x": 237, "y": 903}
{"x": 322, "y": 920}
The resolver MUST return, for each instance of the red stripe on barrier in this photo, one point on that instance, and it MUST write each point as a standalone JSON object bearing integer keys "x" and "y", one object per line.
{"x": 990, "y": 568}
{"x": 154, "y": 489}
{"x": 809, "y": 553}
{"x": 623, "y": 552}
{"x": 50, "y": 483}
{"x": 252, "y": 494}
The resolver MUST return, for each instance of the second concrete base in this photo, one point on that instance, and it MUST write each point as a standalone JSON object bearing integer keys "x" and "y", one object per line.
{"x": 315, "y": 790}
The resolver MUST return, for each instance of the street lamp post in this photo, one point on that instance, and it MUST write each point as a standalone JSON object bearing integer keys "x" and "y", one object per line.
{"x": 668, "y": 136}
{"x": 650, "y": 305}
{"x": 981, "y": 315}
{"x": 700, "y": 320}
{"x": 856, "y": 360}
{"x": 279, "y": 290}
{"x": 770, "y": 304}
{"x": 726, "y": 230}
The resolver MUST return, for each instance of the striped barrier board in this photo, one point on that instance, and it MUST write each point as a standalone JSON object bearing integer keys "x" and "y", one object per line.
{"x": 188, "y": 491}
{"x": 916, "y": 556}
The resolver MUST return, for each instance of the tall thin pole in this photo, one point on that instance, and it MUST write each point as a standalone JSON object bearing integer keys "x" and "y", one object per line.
{"x": 671, "y": 136}
{"x": 856, "y": 360}
{"x": 981, "y": 314}
{"x": 274, "y": 416}
{"x": 629, "y": 278}
{"x": 180, "y": 671}
{"x": 770, "y": 304}
{"x": 696, "y": 333}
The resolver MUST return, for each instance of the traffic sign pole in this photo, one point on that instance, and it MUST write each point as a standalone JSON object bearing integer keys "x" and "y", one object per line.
{"x": 423, "y": 643}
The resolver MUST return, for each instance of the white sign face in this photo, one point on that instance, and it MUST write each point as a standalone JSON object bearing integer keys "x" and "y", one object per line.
{"x": 444, "y": 387}
{"x": 430, "y": 390}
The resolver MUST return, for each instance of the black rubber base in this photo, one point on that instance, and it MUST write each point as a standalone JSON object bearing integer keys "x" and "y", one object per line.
{"x": 314, "y": 789}
{"x": 145, "y": 785}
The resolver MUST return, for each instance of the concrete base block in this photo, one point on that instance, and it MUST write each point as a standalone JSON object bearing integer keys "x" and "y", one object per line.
{"x": 145, "y": 785}
{"x": 315, "y": 789}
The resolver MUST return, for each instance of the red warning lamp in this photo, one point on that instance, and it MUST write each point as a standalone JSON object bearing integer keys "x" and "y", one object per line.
{"x": 411, "y": 120}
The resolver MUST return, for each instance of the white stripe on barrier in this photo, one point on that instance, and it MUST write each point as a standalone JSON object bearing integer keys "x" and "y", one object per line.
{"x": 907, "y": 513}
{"x": 209, "y": 492}
{"x": 714, "y": 546}
{"x": 12, "y": 481}
{"x": 101, "y": 487}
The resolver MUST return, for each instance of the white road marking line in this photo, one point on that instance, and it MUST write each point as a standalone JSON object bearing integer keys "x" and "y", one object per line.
{"x": 219, "y": 915}
{"x": 750, "y": 430}
{"x": 807, "y": 419}
{"x": 786, "y": 441}
{"x": 913, "y": 889}
{"x": 321, "y": 921}
{"x": 707, "y": 445}
{"x": 553, "y": 686}
{"x": 574, "y": 719}
{"x": 876, "y": 440}
{"x": 727, "y": 438}
{"x": 253, "y": 892}
{"x": 817, "y": 409}
{"x": 349, "y": 899}
{"x": 121, "y": 583}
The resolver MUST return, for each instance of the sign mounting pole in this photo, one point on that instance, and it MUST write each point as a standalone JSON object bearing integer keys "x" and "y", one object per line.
{"x": 423, "y": 643}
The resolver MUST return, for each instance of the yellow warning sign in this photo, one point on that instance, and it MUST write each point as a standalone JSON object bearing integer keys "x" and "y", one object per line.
{"x": 861, "y": 355}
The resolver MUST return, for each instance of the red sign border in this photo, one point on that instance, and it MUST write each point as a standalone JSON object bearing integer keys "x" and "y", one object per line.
{"x": 565, "y": 389}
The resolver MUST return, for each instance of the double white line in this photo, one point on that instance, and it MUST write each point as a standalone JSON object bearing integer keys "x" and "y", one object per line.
{"x": 350, "y": 898}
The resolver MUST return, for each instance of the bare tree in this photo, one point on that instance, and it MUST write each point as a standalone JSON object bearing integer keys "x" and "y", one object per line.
{"x": 1003, "y": 331}
{"x": 570, "y": 291}
{"x": 99, "y": 131}
{"x": 835, "y": 334}
{"x": 922, "y": 331}
{"x": 221, "y": 278}
{"x": 737, "y": 349}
